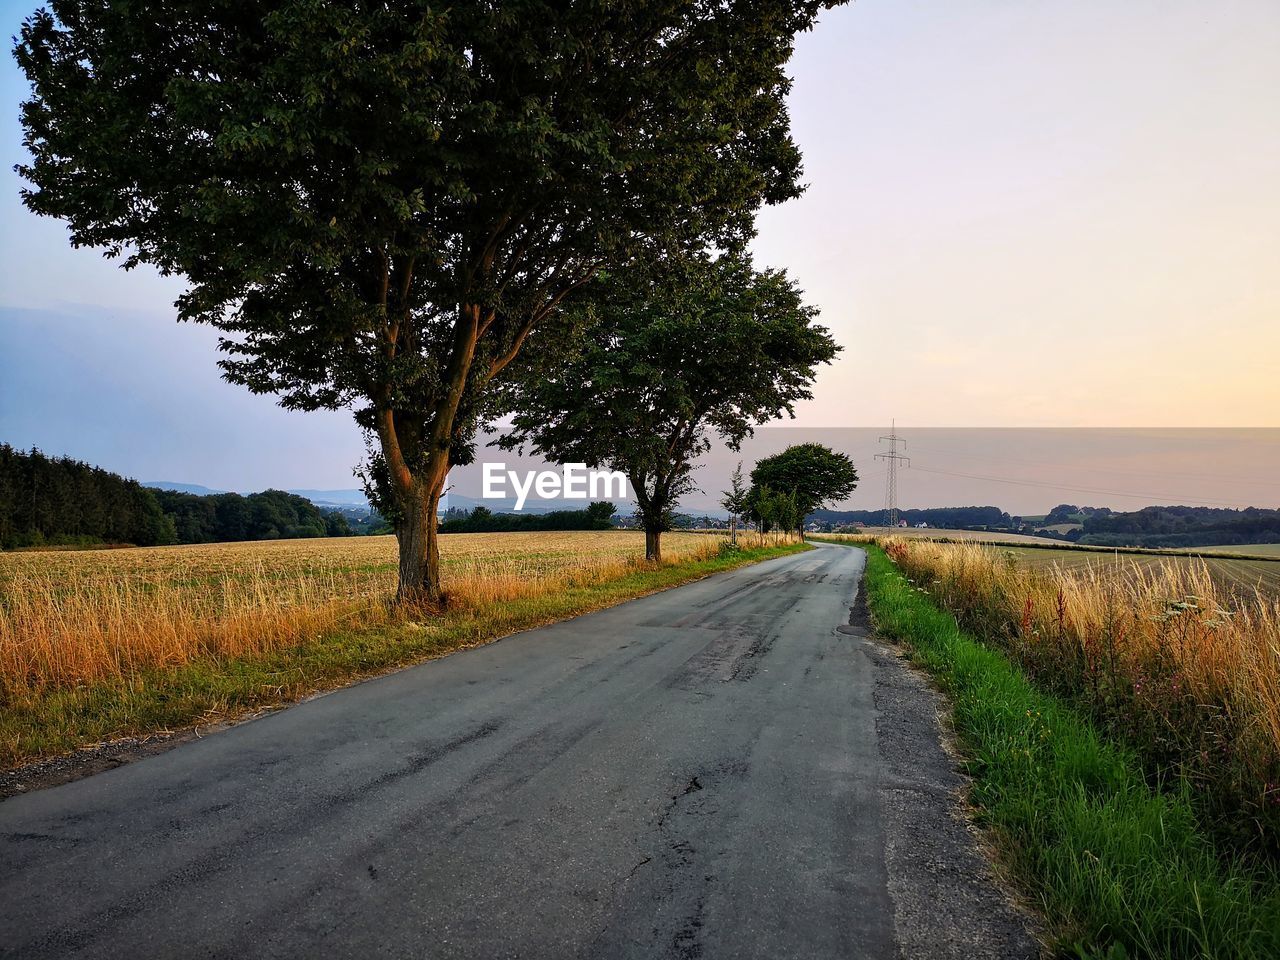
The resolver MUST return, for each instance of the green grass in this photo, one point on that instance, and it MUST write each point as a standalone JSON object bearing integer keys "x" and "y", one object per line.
{"x": 1116, "y": 868}
{"x": 62, "y": 720}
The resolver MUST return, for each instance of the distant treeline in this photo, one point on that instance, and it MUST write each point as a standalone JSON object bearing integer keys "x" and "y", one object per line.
{"x": 951, "y": 518}
{"x": 1181, "y": 527}
{"x": 269, "y": 515}
{"x": 1070, "y": 513}
{"x": 48, "y": 501}
{"x": 483, "y": 520}
{"x": 61, "y": 501}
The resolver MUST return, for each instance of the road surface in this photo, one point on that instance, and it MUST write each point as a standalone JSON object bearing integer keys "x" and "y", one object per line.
{"x": 725, "y": 769}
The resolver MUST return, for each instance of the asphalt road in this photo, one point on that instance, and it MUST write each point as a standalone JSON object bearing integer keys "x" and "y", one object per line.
{"x": 726, "y": 769}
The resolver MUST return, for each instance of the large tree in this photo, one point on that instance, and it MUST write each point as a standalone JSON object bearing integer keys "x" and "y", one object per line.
{"x": 812, "y": 474}
{"x": 667, "y": 357}
{"x": 381, "y": 203}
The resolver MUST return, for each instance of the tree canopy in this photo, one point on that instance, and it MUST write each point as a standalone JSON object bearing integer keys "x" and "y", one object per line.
{"x": 380, "y": 203}
{"x": 268, "y": 515}
{"x": 666, "y": 358}
{"x": 816, "y": 474}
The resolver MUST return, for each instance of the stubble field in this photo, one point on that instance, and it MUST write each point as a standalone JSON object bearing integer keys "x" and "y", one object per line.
{"x": 1241, "y": 570}
{"x": 101, "y": 644}
{"x": 77, "y": 616}
{"x": 1241, "y": 577}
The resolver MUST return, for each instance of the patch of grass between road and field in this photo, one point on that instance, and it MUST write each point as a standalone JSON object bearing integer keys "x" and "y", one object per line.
{"x": 56, "y": 720}
{"x": 1117, "y": 869}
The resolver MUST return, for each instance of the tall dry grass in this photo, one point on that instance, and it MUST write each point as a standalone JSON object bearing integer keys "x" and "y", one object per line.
{"x": 72, "y": 618}
{"x": 1184, "y": 671}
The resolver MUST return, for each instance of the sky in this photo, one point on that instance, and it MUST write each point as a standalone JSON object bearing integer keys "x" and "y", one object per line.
{"x": 1026, "y": 214}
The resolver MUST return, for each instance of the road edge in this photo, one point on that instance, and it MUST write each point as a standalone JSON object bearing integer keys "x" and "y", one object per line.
{"x": 950, "y": 899}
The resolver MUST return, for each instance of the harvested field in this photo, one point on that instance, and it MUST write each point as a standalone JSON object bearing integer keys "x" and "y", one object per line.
{"x": 1239, "y": 577}
{"x": 69, "y": 617}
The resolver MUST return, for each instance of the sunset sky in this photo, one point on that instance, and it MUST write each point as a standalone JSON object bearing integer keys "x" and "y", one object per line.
{"x": 1020, "y": 214}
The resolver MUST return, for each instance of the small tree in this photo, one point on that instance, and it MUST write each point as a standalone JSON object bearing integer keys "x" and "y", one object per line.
{"x": 381, "y": 204}
{"x": 735, "y": 501}
{"x": 762, "y": 506}
{"x": 772, "y": 509}
{"x": 789, "y": 516}
{"x": 601, "y": 513}
{"x": 815, "y": 475}
{"x": 666, "y": 359}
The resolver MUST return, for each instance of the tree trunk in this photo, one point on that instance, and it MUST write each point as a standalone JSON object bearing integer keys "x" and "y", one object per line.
{"x": 418, "y": 537}
{"x": 733, "y": 531}
{"x": 653, "y": 545}
{"x": 418, "y": 491}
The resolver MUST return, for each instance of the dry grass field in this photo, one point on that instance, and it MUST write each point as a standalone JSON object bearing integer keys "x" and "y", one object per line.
{"x": 106, "y": 644}
{"x": 1181, "y": 656}
{"x": 70, "y": 617}
{"x": 1250, "y": 549}
{"x": 1241, "y": 578}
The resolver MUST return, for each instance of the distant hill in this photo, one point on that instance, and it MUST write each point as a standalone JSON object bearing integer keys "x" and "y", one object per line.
{"x": 350, "y": 499}
{"x": 345, "y": 498}
{"x": 195, "y": 488}
{"x": 357, "y": 499}
{"x": 1181, "y": 527}
{"x": 321, "y": 498}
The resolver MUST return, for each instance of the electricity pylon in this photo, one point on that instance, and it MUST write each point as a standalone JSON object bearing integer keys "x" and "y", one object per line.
{"x": 891, "y": 459}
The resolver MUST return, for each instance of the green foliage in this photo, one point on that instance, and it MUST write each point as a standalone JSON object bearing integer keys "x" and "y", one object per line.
{"x": 381, "y": 203}
{"x": 63, "y": 502}
{"x": 1117, "y": 868}
{"x": 773, "y": 509}
{"x": 1179, "y": 527}
{"x": 730, "y": 548}
{"x": 602, "y": 512}
{"x": 269, "y": 515}
{"x": 46, "y": 501}
{"x": 735, "y": 498}
{"x": 666, "y": 358}
{"x": 483, "y": 520}
{"x": 815, "y": 474}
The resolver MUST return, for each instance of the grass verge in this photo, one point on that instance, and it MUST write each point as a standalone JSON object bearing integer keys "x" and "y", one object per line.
{"x": 1118, "y": 870}
{"x": 60, "y": 720}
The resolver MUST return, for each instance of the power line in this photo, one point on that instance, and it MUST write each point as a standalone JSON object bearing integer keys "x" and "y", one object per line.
{"x": 892, "y": 459}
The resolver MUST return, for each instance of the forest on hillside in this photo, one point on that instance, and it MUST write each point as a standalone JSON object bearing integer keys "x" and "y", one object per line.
{"x": 1181, "y": 527}
{"x": 58, "y": 501}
